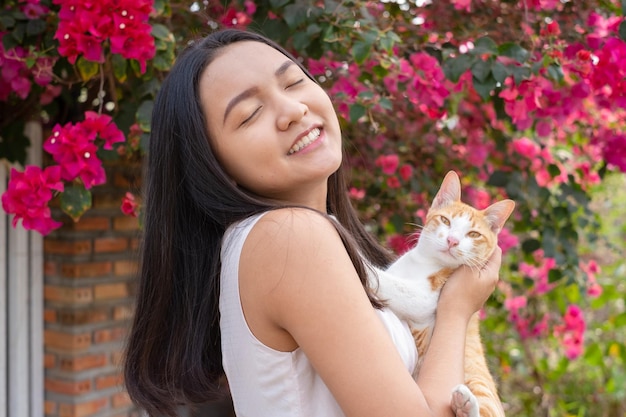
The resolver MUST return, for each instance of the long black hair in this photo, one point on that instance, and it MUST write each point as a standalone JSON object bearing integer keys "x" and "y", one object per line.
{"x": 173, "y": 354}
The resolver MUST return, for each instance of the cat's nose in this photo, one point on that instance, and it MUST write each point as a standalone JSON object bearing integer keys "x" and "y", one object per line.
{"x": 452, "y": 241}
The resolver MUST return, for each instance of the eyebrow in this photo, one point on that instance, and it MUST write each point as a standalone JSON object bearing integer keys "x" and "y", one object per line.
{"x": 254, "y": 90}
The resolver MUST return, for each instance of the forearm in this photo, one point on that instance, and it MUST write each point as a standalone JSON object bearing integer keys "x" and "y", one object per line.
{"x": 442, "y": 367}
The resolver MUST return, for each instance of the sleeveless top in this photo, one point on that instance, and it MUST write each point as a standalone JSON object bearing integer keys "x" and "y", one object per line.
{"x": 265, "y": 382}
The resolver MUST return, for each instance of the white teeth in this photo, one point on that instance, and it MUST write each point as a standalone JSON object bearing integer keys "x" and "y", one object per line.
{"x": 305, "y": 141}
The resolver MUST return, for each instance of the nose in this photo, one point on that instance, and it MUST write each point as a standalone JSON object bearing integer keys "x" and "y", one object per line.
{"x": 452, "y": 241}
{"x": 290, "y": 110}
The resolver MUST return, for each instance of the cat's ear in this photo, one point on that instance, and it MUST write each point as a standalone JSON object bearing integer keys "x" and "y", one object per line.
{"x": 449, "y": 192}
{"x": 498, "y": 213}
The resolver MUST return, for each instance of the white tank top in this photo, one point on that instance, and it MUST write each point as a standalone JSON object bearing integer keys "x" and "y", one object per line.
{"x": 265, "y": 382}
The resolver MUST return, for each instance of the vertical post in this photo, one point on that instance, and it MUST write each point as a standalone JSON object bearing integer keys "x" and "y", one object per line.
{"x": 3, "y": 298}
{"x": 34, "y": 132}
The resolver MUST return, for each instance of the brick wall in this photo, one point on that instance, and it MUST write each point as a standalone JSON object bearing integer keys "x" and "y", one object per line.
{"x": 90, "y": 272}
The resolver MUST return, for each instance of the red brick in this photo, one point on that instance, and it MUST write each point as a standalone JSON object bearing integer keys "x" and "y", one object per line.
{"x": 87, "y": 270}
{"x": 108, "y": 381}
{"x": 120, "y": 399}
{"x": 125, "y": 223}
{"x": 66, "y": 341}
{"x": 83, "y": 316}
{"x": 49, "y": 407}
{"x": 125, "y": 268}
{"x": 117, "y": 357}
{"x": 50, "y": 268}
{"x": 49, "y": 315}
{"x": 83, "y": 409}
{"x": 122, "y": 313}
{"x": 107, "y": 200}
{"x": 81, "y": 363}
{"x": 49, "y": 361}
{"x": 134, "y": 244}
{"x": 62, "y": 247}
{"x": 111, "y": 291}
{"x": 67, "y": 387}
{"x": 109, "y": 335}
{"x": 67, "y": 295}
{"x": 91, "y": 224}
{"x": 110, "y": 244}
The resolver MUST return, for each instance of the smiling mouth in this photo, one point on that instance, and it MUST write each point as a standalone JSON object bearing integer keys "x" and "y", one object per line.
{"x": 305, "y": 141}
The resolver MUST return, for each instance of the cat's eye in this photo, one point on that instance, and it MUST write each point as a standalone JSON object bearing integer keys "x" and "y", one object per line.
{"x": 473, "y": 235}
{"x": 445, "y": 220}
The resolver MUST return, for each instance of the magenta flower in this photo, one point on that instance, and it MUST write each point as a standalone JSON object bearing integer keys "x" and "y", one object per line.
{"x": 28, "y": 194}
{"x": 73, "y": 147}
{"x": 129, "y": 206}
{"x": 388, "y": 163}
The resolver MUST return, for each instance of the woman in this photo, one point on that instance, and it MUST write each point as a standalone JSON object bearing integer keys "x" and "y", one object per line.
{"x": 254, "y": 262}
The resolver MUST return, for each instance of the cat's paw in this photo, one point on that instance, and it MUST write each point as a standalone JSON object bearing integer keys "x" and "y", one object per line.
{"x": 464, "y": 403}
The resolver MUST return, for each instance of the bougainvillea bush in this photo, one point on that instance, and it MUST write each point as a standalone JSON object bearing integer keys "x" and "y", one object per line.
{"x": 524, "y": 98}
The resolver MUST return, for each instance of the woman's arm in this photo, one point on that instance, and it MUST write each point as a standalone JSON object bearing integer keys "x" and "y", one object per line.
{"x": 463, "y": 294}
{"x": 299, "y": 288}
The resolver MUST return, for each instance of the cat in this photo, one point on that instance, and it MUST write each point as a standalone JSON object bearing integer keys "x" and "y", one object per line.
{"x": 454, "y": 234}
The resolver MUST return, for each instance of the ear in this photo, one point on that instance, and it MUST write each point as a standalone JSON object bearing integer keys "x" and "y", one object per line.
{"x": 498, "y": 213}
{"x": 449, "y": 192}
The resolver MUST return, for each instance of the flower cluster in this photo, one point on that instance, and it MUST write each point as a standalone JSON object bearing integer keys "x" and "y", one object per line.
{"x": 28, "y": 194}
{"x": 571, "y": 332}
{"x": 17, "y": 76}
{"x": 73, "y": 147}
{"x": 130, "y": 206}
{"x": 86, "y": 26}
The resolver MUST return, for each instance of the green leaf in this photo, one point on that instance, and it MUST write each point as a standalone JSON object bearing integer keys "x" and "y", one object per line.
{"x": 87, "y": 69}
{"x": 485, "y": 45}
{"x": 530, "y": 245}
{"x": 481, "y": 70}
{"x": 160, "y": 31}
{"x": 513, "y": 50}
{"x": 593, "y": 355}
{"x": 356, "y": 112}
{"x": 622, "y": 30}
{"x": 554, "y": 275}
{"x": 484, "y": 88}
{"x": 75, "y": 201}
{"x": 301, "y": 40}
{"x": 6, "y": 22}
{"x": 276, "y": 4}
{"x": 498, "y": 179}
{"x": 35, "y": 27}
{"x": 455, "y": 67}
{"x": 385, "y": 103}
{"x": 520, "y": 74}
{"x": 119, "y": 67}
{"x": 555, "y": 72}
{"x": 499, "y": 71}
{"x": 295, "y": 14}
{"x": 144, "y": 115}
{"x": 361, "y": 51}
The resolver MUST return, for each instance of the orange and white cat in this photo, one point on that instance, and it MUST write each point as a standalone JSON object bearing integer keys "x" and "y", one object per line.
{"x": 454, "y": 234}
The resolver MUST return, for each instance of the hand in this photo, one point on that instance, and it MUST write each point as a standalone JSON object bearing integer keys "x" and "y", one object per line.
{"x": 467, "y": 289}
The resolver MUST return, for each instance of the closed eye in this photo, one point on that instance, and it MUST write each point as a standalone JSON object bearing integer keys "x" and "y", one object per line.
{"x": 300, "y": 81}
{"x": 251, "y": 116}
{"x": 473, "y": 235}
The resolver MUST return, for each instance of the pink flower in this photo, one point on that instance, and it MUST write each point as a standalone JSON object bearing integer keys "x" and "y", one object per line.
{"x": 129, "y": 206}
{"x": 526, "y": 147}
{"x": 356, "y": 193}
{"x": 28, "y": 194}
{"x": 399, "y": 243}
{"x": 393, "y": 182}
{"x": 388, "y": 163}
{"x": 507, "y": 240}
{"x": 406, "y": 171}
{"x": 73, "y": 147}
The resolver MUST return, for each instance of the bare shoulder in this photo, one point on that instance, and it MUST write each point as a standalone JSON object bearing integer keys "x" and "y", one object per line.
{"x": 291, "y": 243}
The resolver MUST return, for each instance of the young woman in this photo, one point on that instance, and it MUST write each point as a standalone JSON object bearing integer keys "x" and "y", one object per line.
{"x": 254, "y": 262}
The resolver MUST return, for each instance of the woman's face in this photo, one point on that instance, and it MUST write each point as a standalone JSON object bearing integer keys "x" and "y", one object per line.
{"x": 273, "y": 129}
